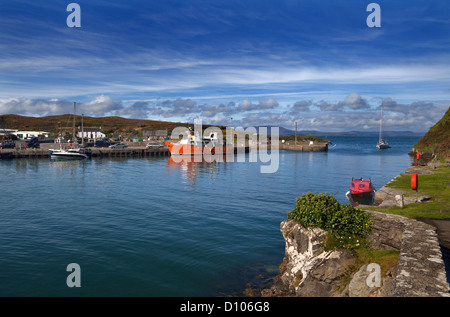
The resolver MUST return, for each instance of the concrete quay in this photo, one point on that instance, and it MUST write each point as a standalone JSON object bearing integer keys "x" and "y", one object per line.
{"x": 133, "y": 150}
{"x": 43, "y": 152}
{"x": 304, "y": 146}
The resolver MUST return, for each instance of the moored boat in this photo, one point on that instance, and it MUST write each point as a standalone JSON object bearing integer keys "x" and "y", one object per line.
{"x": 67, "y": 154}
{"x": 382, "y": 144}
{"x": 361, "y": 192}
{"x": 196, "y": 145}
{"x": 69, "y": 151}
{"x": 362, "y": 187}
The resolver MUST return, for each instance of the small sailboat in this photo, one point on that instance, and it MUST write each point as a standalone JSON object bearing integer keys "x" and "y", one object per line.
{"x": 67, "y": 154}
{"x": 69, "y": 151}
{"x": 382, "y": 143}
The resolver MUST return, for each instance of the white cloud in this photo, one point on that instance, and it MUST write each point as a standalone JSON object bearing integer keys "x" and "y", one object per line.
{"x": 101, "y": 105}
{"x": 247, "y": 105}
{"x": 354, "y": 101}
{"x": 416, "y": 116}
{"x": 35, "y": 107}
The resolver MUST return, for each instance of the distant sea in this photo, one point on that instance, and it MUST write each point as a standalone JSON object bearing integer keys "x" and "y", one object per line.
{"x": 153, "y": 227}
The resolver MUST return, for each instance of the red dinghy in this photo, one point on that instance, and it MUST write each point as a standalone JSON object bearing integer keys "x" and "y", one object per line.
{"x": 361, "y": 192}
{"x": 362, "y": 187}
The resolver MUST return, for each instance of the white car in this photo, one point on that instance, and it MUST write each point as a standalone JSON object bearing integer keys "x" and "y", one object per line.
{"x": 154, "y": 145}
{"x": 117, "y": 145}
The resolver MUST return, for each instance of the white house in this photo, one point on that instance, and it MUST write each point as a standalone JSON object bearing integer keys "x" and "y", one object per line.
{"x": 26, "y": 135}
{"x": 91, "y": 133}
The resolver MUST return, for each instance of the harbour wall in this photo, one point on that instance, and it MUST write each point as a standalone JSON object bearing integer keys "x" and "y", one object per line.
{"x": 139, "y": 150}
{"x": 304, "y": 146}
{"x": 95, "y": 152}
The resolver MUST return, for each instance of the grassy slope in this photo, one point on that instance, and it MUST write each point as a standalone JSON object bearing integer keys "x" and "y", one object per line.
{"x": 437, "y": 139}
{"x": 436, "y": 186}
{"x": 109, "y": 125}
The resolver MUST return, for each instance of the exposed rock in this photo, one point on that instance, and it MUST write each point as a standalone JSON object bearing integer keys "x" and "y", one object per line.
{"x": 359, "y": 287}
{"x": 310, "y": 271}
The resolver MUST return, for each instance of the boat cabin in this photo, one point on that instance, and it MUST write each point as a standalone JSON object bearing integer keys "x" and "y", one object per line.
{"x": 359, "y": 186}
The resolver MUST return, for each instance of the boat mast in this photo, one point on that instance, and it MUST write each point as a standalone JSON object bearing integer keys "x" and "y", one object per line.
{"x": 73, "y": 126}
{"x": 381, "y": 123}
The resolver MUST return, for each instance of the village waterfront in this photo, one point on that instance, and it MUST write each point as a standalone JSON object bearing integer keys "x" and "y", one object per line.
{"x": 150, "y": 226}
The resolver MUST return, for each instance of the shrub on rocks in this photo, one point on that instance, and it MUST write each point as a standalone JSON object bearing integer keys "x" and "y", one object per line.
{"x": 347, "y": 226}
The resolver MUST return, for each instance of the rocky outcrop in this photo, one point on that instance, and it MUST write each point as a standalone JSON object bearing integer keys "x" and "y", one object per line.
{"x": 310, "y": 271}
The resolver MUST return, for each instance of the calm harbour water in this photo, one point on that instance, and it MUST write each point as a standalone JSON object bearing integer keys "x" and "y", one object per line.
{"x": 152, "y": 227}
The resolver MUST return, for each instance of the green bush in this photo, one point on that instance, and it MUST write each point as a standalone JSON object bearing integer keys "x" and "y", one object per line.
{"x": 314, "y": 210}
{"x": 346, "y": 224}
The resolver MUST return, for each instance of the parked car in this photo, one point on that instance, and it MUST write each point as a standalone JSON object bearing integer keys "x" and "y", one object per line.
{"x": 102, "y": 143}
{"x": 33, "y": 143}
{"x": 8, "y": 145}
{"x": 118, "y": 145}
{"x": 154, "y": 145}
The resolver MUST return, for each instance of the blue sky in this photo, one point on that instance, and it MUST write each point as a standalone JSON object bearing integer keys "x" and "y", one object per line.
{"x": 257, "y": 62}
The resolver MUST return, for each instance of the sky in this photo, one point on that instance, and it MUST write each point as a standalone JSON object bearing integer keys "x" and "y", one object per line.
{"x": 239, "y": 63}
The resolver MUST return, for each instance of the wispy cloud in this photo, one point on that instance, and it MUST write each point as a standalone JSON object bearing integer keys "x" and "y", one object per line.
{"x": 250, "y": 60}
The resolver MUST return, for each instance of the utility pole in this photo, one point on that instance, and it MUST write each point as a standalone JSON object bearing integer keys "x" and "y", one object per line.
{"x": 295, "y": 132}
{"x": 82, "y": 129}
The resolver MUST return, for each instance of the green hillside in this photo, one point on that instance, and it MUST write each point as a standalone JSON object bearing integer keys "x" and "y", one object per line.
{"x": 109, "y": 125}
{"x": 437, "y": 139}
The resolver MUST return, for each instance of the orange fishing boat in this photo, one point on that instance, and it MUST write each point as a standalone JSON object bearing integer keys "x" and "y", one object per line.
{"x": 196, "y": 145}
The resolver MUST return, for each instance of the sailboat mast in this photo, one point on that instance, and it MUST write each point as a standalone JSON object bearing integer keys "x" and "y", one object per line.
{"x": 73, "y": 126}
{"x": 381, "y": 122}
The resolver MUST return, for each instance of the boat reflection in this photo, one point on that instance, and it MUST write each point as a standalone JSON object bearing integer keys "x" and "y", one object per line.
{"x": 68, "y": 167}
{"x": 356, "y": 200}
{"x": 191, "y": 167}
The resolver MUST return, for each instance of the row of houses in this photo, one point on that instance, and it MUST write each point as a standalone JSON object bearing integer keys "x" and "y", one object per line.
{"x": 26, "y": 135}
{"x": 86, "y": 133}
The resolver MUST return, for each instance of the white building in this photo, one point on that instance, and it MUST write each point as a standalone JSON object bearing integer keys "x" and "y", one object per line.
{"x": 91, "y": 133}
{"x": 26, "y": 135}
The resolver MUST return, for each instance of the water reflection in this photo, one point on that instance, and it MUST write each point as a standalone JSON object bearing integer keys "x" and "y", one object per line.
{"x": 191, "y": 167}
{"x": 68, "y": 168}
{"x": 26, "y": 165}
{"x": 64, "y": 164}
{"x": 356, "y": 200}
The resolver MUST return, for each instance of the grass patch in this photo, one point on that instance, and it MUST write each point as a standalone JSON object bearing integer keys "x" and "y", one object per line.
{"x": 385, "y": 258}
{"x": 365, "y": 255}
{"x": 435, "y": 185}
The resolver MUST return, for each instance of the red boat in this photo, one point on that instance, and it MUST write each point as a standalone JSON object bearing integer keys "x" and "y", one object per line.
{"x": 361, "y": 192}
{"x": 362, "y": 187}
{"x": 196, "y": 145}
